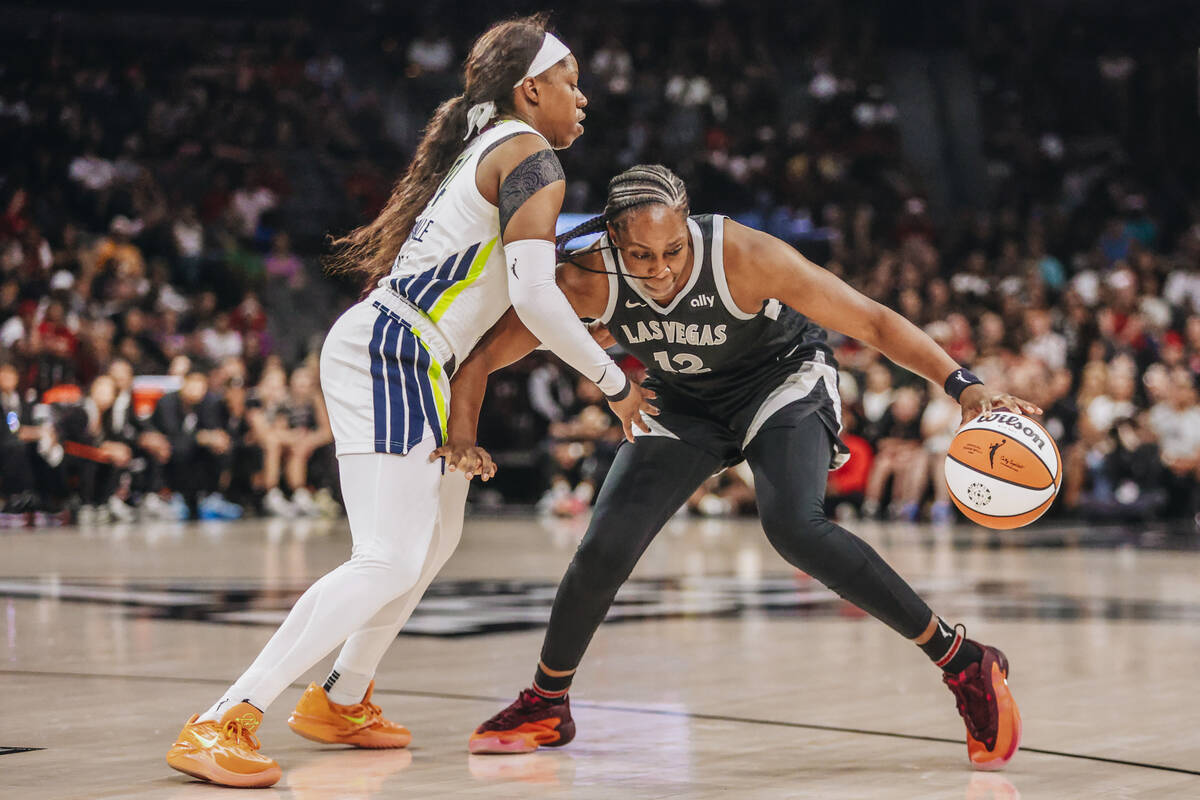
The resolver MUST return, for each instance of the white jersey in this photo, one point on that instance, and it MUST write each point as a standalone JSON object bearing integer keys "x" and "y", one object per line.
{"x": 452, "y": 265}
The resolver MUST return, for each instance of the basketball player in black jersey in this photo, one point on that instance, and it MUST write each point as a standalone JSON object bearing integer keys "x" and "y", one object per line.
{"x": 730, "y": 324}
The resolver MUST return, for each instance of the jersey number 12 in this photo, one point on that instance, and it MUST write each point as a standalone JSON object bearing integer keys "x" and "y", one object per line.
{"x": 687, "y": 363}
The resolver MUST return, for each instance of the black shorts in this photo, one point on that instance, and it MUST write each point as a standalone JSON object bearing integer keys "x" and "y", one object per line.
{"x": 811, "y": 389}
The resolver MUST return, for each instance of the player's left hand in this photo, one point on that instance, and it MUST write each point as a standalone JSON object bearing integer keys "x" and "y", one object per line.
{"x": 469, "y": 459}
{"x": 978, "y": 399}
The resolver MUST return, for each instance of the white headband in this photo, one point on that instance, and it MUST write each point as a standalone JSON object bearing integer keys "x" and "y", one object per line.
{"x": 550, "y": 53}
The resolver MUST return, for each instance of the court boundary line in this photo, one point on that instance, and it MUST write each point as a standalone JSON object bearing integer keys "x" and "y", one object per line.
{"x": 663, "y": 712}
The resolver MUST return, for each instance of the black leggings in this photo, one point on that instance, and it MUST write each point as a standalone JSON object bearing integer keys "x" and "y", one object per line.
{"x": 652, "y": 477}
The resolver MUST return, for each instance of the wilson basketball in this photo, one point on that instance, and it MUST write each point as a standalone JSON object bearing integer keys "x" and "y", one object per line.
{"x": 1003, "y": 470}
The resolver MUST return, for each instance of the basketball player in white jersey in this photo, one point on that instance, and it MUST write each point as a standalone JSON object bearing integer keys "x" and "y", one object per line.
{"x": 468, "y": 231}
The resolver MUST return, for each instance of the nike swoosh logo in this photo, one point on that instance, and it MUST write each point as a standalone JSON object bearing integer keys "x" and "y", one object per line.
{"x": 629, "y": 304}
{"x": 205, "y": 741}
{"x": 942, "y": 628}
{"x": 355, "y": 720}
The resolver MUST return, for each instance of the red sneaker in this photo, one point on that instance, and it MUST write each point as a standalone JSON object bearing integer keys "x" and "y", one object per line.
{"x": 530, "y": 722}
{"x": 988, "y": 708}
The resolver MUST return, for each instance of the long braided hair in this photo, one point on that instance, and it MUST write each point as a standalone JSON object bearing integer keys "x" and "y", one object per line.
{"x": 640, "y": 185}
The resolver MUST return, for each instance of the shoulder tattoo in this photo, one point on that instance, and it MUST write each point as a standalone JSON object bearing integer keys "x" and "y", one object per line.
{"x": 536, "y": 172}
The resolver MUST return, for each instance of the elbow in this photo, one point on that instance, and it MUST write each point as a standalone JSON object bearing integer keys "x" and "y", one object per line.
{"x": 524, "y": 304}
{"x": 524, "y": 299}
{"x": 878, "y": 324}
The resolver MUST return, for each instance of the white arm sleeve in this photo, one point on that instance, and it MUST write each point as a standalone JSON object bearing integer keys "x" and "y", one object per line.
{"x": 545, "y": 310}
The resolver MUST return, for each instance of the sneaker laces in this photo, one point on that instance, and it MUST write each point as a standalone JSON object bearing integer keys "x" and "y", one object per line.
{"x": 528, "y": 700}
{"x": 372, "y": 712}
{"x": 242, "y": 734}
{"x": 974, "y": 701}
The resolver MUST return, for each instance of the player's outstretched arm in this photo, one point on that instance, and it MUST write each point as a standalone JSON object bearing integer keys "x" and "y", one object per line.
{"x": 760, "y": 267}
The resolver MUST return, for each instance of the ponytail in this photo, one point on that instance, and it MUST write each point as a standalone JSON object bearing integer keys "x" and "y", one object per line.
{"x": 497, "y": 61}
{"x": 372, "y": 248}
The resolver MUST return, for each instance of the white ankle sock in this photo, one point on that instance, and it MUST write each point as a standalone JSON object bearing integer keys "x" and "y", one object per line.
{"x": 218, "y": 708}
{"x": 346, "y": 687}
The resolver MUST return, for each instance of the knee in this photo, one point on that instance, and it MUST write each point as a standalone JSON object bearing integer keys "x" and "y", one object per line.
{"x": 800, "y": 532}
{"x": 601, "y": 566}
{"x": 390, "y": 574}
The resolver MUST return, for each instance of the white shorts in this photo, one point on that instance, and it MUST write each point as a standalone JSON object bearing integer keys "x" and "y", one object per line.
{"x": 383, "y": 378}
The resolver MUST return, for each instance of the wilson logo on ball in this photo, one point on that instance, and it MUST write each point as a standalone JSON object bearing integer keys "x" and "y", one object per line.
{"x": 1020, "y": 423}
{"x": 1000, "y": 471}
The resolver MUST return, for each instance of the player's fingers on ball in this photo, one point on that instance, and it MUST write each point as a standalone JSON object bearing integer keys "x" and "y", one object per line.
{"x": 1028, "y": 407}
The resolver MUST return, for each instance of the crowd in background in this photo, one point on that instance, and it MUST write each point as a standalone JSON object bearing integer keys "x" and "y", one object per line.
{"x": 170, "y": 181}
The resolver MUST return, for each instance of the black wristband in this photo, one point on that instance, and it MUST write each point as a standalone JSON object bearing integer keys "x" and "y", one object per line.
{"x": 621, "y": 395}
{"x": 958, "y": 381}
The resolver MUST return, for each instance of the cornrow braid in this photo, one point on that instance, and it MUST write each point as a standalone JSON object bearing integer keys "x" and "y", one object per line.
{"x": 593, "y": 225}
{"x": 641, "y": 185}
{"x": 637, "y": 186}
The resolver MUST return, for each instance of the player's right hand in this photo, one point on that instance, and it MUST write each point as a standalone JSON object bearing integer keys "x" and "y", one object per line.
{"x": 630, "y": 409}
{"x": 469, "y": 459}
{"x": 978, "y": 399}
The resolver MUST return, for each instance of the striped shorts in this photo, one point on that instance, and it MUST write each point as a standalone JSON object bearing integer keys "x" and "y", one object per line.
{"x": 384, "y": 387}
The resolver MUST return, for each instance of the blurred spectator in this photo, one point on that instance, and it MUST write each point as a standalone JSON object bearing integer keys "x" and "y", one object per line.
{"x": 580, "y": 451}
{"x": 728, "y": 493}
{"x": 29, "y": 452}
{"x": 430, "y": 52}
{"x": 1175, "y": 421}
{"x": 848, "y": 483}
{"x": 939, "y": 422}
{"x": 1124, "y": 478}
{"x": 188, "y": 234}
{"x": 190, "y": 421}
{"x": 876, "y": 400}
{"x": 99, "y": 455}
{"x": 1043, "y": 343}
{"x": 290, "y": 425}
{"x": 282, "y": 264}
{"x": 219, "y": 340}
{"x": 900, "y": 459}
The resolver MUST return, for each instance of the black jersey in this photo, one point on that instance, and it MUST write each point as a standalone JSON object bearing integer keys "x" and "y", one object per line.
{"x": 700, "y": 350}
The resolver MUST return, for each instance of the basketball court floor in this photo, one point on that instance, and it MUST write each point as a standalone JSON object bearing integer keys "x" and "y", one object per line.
{"x": 721, "y": 672}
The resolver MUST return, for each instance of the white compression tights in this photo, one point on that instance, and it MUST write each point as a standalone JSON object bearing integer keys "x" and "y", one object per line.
{"x": 405, "y": 521}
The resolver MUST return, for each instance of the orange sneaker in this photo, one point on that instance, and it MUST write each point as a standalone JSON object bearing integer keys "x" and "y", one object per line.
{"x": 224, "y": 752}
{"x": 530, "y": 722}
{"x": 363, "y": 725}
{"x": 989, "y": 710}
